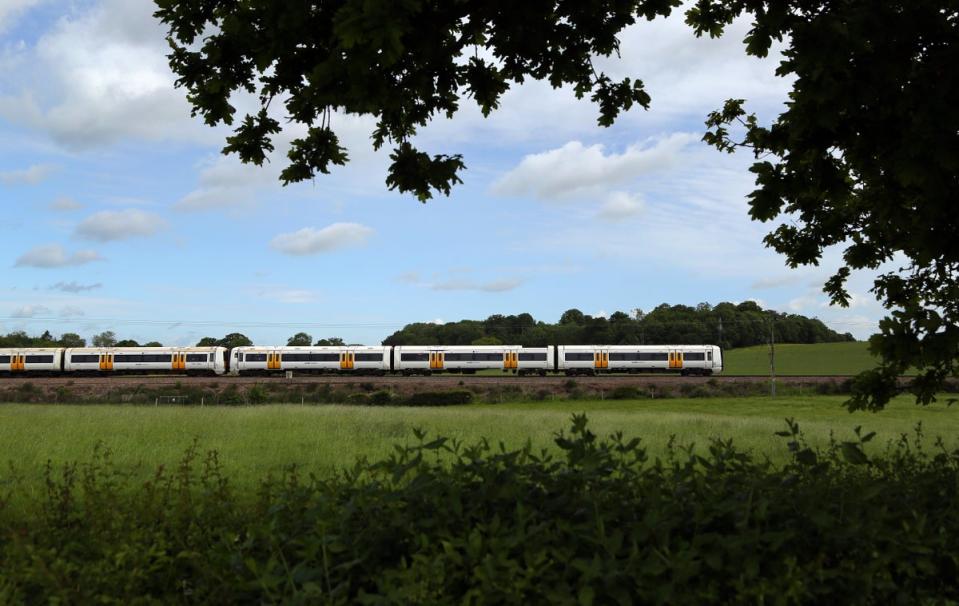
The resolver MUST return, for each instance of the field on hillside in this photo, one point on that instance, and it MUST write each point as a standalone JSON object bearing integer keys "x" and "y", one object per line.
{"x": 799, "y": 359}
{"x": 255, "y": 441}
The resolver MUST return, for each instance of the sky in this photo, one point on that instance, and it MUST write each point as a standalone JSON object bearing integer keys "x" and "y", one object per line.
{"x": 120, "y": 212}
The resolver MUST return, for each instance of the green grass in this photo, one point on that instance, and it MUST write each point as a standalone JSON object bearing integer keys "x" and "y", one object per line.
{"x": 255, "y": 441}
{"x": 797, "y": 359}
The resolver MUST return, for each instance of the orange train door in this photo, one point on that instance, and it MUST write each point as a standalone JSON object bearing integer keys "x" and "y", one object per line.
{"x": 17, "y": 362}
{"x": 273, "y": 361}
{"x": 601, "y": 359}
{"x": 436, "y": 360}
{"x": 179, "y": 361}
{"x": 675, "y": 360}
{"x": 510, "y": 360}
{"x": 347, "y": 360}
{"x": 106, "y": 361}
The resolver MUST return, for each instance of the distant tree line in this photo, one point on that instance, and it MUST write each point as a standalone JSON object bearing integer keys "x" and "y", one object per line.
{"x": 19, "y": 338}
{"x": 727, "y": 324}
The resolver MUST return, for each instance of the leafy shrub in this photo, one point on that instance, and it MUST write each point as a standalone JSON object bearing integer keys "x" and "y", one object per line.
{"x": 600, "y": 523}
{"x": 256, "y": 394}
{"x": 381, "y": 398}
{"x": 440, "y": 398}
{"x": 358, "y": 399}
{"x": 625, "y": 392}
{"x": 230, "y": 396}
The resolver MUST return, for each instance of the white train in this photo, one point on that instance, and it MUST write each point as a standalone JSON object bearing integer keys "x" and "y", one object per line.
{"x": 426, "y": 359}
{"x": 370, "y": 360}
{"x": 117, "y": 360}
{"x": 360, "y": 359}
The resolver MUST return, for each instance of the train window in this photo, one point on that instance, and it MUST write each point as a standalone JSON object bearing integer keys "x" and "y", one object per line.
{"x": 692, "y": 356}
{"x": 4, "y": 359}
{"x": 369, "y": 357}
{"x": 458, "y": 357}
{"x": 414, "y": 357}
{"x": 84, "y": 358}
{"x": 324, "y": 357}
{"x": 254, "y": 357}
{"x": 196, "y": 358}
{"x": 295, "y": 357}
{"x": 656, "y": 356}
{"x": 39, "y": 359}
{"x": 532, "y": 357}
{"x": 579, "y": 356}
{"x": 709, "y": 356}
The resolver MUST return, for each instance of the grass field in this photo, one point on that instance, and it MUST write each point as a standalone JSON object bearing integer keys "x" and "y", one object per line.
{"x": 797, "y": 359}
{"x": 255, "y": 441}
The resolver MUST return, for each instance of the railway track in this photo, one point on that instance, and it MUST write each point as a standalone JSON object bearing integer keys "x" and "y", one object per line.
{"x": 433, "y": 382}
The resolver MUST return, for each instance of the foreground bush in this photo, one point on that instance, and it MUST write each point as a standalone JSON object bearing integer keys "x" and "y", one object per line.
{"x": 441, "y": 522}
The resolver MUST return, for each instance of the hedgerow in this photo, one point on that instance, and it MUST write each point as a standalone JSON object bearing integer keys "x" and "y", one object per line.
{"x": 440, "y": 522}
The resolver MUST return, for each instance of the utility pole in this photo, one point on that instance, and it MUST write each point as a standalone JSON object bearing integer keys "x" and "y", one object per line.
{"x": 772, "y": 359}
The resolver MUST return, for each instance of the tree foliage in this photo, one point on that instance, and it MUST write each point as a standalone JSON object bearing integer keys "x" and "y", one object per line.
{"x": 401, "y": 62}
{"x": 331, "y": 341}
{"x": 862, "y": 157}
{"x": 106, "y": 338}
{"x": 726, "y": 324}
{"x": 234, "y": 339}
{"x": 300, "y": 338}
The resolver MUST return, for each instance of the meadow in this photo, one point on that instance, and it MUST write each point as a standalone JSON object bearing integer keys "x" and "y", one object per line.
{"x": 254, "y": 441}
{"x": 794, "y": 359}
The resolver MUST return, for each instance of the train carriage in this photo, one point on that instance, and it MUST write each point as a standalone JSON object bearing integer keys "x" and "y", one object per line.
{"x": 597, "y": 359}
{"x": 359, "y": 359}
{"x": 30, "y": 360}
{"x": 142, "y": 360}
{"x": 427, "y": 359}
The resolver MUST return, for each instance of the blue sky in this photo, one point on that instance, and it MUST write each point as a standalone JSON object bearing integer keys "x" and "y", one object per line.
{"x": 120, "y": 213}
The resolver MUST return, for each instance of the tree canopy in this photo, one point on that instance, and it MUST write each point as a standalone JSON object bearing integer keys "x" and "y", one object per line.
{"x": 864, "y": 155}
{"x": 726, "y": 324}
{"x": 234, "y": 339}
{"x": 300, "y": 338}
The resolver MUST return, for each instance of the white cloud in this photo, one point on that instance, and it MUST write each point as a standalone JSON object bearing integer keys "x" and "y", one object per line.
{"x": 108, "y": 225}
{"x": 30, "y": 311}
{"x": 502, "y": 285}
{"x": 225, "y": 182}
{"x": 620, "y": 205}
{"x": 75, "y": 287}
{"x": 105, "y": 78}
{"x": 789, "y": 279}
{"x": 64, "y": 204}
{"x": 70, "y": 311}
{"x": 309, "y": 240}
{"x": 53, "y": 255}
{"x": 460, "y": 279}
{"x": 31, "y": 175}
{"x": 10, "y": 10}
{"x": 800, "y": 304}
{"x": 575, "y": 169}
